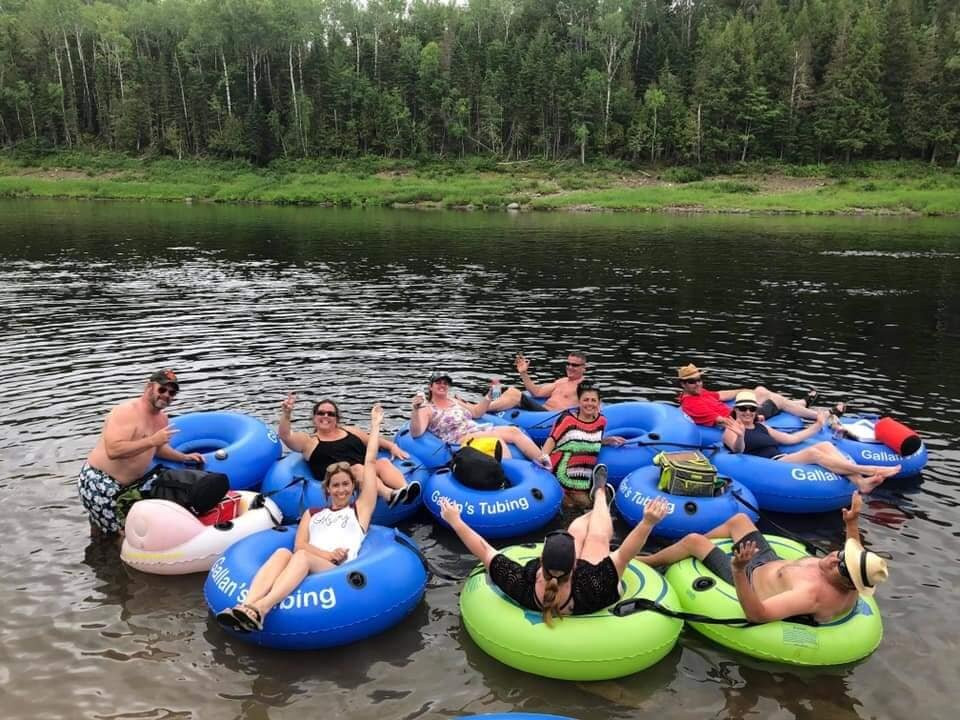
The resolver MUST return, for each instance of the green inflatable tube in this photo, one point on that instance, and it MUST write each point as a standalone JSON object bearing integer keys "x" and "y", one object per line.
{"x": 844, "y": 640}
{"x": 599, "y": 646}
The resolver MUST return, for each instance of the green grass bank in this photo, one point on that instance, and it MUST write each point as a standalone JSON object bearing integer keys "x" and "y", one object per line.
{"x": 870, "y": 188}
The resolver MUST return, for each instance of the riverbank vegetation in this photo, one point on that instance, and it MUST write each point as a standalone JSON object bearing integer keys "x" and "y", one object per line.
{"x": 701, "y": 83}
{"x": 867, "y": 187}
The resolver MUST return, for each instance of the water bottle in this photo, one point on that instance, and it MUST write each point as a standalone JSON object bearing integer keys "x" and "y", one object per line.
{"x": 496, "y": 389}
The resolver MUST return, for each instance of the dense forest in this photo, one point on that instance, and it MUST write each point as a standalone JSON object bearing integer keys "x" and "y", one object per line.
{"x": 662, "y": 81}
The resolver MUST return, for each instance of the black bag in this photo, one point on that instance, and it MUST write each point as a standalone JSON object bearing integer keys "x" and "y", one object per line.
{"x": 196, "y": 490}
{"x": 478, "y": 470}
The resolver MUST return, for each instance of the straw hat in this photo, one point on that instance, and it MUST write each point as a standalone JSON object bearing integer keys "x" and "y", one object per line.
{"x": 689, "y": 371}
{"x": 746, "y": 397}
{"x": 865, "y": 569}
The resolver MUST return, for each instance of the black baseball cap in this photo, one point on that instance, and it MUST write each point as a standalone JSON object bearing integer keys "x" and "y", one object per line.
{"x": 559, "y": 553}
{"x": 165, "y": 377}
{"x": 439, "y": 375}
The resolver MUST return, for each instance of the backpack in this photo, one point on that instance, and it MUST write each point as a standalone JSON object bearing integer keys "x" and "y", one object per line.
{"x": 478, "y": 470}
{"x": 196, "y": 490}
{"x": 488, "y": 445}
{"x": 687, "y": 473}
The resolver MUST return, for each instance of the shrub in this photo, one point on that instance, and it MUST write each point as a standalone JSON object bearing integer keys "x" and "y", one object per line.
{"x": 682, "y": 175}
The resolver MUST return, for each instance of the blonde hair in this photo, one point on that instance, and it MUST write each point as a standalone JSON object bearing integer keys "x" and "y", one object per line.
{"x": 550, "y": 604}
{"x": 332, "y": 469}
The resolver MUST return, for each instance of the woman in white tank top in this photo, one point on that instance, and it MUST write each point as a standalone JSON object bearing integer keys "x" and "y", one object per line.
{"x": 326, "y": 537}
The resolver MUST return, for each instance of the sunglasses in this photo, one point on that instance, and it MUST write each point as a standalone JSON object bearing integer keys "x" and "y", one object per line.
{"x": 570, "y": 364}
{"x": 336, "y": 467}
{"x": 842, "y": 566}
{"x": 167, "y": 390}
{"x": 692, "y": 381}
{"x": 746, "y": 408}
{"x": 325, "y": 413}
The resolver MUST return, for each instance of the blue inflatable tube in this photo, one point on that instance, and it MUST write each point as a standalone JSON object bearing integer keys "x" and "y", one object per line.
{"x": 649, "y": 427}
{"x": 433, "y": 452}
{"x": 293, "y": 487}
{"x": 348, "y": 603}
{"x": 786, "y": 487}
{"x": 515, "y": 716}
{"x": 685, "y": 514}
{"x": 532, "y": 500}
{"x": 240, "y": 446}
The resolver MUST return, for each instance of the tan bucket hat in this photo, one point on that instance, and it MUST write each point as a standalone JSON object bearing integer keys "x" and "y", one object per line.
{"x": 865, "y": 569}
{"x": 689, "y": 371}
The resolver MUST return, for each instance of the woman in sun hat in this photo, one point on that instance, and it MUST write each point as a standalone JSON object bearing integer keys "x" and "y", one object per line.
{"x": 745, "y": 434}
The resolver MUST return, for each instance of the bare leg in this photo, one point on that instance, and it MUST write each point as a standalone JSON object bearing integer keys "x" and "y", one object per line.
{"x": 699, "y": 546}
{"x": 826, "y": 455}
{"x": 268, "y": 574}
{"x": 866, "y": 483}
{"x": 509, "y": 399}
{"x": 595, "y": 545}
{"x": 796, "y": 407}
{"x": 389, "y": 474}
{"x": 300, "y": 564}
{"x": 383, "y": 490}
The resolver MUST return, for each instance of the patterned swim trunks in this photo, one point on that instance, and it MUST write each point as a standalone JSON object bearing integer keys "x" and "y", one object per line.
{"x": 98, "y": 493}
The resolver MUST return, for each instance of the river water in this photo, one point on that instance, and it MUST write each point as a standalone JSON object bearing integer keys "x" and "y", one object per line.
{"x": 250, "y": 303}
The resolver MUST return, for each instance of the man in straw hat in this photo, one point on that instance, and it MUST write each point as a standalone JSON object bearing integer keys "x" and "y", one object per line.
{"x": 706, "y": 407}
{"x": 773, "y": 589}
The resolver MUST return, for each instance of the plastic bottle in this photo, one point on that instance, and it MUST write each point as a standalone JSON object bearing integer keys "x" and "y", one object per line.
{"x": 496, "y": 389}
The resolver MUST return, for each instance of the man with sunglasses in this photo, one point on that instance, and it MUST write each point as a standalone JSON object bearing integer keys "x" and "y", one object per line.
{"x": 706, "y": 407}
{"x": 134, "y": 433}
{"x": 560, "y": 394}
{"x": 769, "y": 588}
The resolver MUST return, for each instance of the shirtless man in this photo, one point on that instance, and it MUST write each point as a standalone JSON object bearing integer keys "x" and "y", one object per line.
{"x": 561, "y": 393}
{"x": 134, "y": 432}
{"x": 773, "y": 589}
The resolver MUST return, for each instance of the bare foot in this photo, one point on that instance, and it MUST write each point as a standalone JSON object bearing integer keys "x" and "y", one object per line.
{"x": 888, "y": 471}
{"x": 867, "y": 483}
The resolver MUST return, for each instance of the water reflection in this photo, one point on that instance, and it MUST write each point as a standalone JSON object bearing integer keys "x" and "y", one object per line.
{"x": 251, "y": 303}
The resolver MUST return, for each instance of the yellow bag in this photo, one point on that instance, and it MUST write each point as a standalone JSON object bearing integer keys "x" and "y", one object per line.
{"x": 488, "y": 445}
{"x": 687, "y": 473}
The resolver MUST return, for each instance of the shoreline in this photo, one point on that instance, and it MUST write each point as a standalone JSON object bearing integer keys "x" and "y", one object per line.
{"x": 891, "y": 189}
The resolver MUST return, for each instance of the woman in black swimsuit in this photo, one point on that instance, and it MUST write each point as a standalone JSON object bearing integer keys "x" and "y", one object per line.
{"x": 331, "y": 443}
{"x": 744, "y": 433}
{"x": 576, "y": 574}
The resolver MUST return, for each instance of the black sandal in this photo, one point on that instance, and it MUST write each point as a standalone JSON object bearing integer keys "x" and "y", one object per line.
{"x": 249, "y": 617}
{"x": 228, "y": 619}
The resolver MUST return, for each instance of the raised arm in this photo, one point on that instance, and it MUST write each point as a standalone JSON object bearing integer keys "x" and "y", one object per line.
{"x": 367, "y": 498}
{"x": 851, "y": 518}
{"x": 483, "y": 551}
{"x": 653, "y": 512}
{"x": 733, "y": 434}
{"x": 296, "y": 441}
{"x": 523, "y": 367}
{"x": 419, "y": 415}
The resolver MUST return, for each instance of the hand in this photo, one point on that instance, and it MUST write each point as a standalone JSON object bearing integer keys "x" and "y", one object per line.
{"x": 162, "y": 437}
{"x": 376, "y": 414}
{"x": 743, "y": 555}
{"x": 615, "y": 440}
{"x": 286, "y": 407}
{"x": 852, "y": 513}
{"x": 419, "y": 400}
{"x": 193, "y": 458}
{"x": 655, "y": 511}
{"x": 449, "y": 511}
{"x": 397, "y": 454}
{"x": 522, "y": 364}
{"x": 338, "y": 556}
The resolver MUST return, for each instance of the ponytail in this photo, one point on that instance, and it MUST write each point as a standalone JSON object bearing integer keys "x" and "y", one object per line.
{"x": 550, "y": 599}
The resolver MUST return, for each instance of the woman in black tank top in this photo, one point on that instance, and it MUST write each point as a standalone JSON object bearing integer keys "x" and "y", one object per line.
{"x": 331, "y": 442}
{"x": 743, "y": 434}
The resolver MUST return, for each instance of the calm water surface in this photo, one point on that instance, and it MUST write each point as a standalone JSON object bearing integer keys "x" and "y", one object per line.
{"x": 250, "y": 303}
